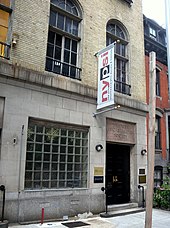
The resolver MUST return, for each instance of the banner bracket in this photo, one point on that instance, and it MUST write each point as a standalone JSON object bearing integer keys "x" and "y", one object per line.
{"x": 107, "y": 110}
{"x": 97, "y": 53}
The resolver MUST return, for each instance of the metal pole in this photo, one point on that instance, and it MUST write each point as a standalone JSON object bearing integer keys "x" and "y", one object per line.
{"x": 151, "y": 141}
{"x": 2, "y": 188}
{"x": 19, "y": 172}
{"x": 106, "y": 199}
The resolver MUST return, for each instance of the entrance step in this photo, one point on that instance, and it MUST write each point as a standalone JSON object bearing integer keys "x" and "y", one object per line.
{"x": 121, "y": 209}
{"x": 117, "y": 207}
{"x": 121, "y": 212}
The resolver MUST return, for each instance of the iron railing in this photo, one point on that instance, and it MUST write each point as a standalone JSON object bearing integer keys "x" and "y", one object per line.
{"x": 65, "y": 69}
{"x": 4, "y": 50}
{"x": 122, "y": 87}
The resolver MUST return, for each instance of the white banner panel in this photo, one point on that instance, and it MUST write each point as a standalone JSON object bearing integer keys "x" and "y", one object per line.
{"x": 105, "y": 95}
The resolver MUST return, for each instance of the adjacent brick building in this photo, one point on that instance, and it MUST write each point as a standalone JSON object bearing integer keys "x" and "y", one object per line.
{"x": 155, "y": 40}
{"x": 54, "y": 153}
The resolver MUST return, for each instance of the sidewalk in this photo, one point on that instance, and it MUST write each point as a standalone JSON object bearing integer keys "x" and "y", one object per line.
{"x": 161, "y": 219}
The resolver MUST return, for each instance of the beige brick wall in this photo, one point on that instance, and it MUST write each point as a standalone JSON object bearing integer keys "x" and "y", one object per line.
{"x": 95, "y": 19}
{"x": 31, "y": 24}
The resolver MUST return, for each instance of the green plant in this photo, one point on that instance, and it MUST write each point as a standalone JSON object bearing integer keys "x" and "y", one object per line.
{"x": 161, "y": 197}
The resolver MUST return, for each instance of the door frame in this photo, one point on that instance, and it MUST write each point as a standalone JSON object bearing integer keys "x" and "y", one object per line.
{"x": 126, "y": 197}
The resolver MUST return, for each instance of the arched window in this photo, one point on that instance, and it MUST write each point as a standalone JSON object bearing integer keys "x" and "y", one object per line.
{"x": 116, "y": 32}
{"x": 63, "y": 38}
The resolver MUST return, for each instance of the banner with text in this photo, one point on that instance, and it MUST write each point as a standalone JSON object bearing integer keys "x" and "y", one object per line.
{"x": 105, "y": 95}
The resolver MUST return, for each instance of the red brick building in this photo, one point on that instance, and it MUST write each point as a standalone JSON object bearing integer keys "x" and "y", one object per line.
{"x": 155, "y": 40}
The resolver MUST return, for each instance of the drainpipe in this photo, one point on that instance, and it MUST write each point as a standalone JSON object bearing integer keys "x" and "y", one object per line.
{"x": 2, "y": 188}
{"x": 19, "y": 172}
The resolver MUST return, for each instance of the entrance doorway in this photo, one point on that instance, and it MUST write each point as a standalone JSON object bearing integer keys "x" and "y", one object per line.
{"x": 117, "y": 173}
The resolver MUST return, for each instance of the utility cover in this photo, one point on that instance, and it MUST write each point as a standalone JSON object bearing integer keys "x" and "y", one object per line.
{"x": 75, "y": 224}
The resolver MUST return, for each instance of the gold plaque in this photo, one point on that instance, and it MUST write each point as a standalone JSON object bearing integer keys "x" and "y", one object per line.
{"x": 98, "y": 171}
{"x": 142, "y": 179}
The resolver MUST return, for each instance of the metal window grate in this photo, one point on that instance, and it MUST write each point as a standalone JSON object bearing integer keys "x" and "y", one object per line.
{"x": 65, "y": 69}
{"x": 122, "y": 87}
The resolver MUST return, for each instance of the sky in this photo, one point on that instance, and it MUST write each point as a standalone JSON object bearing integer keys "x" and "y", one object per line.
{"x": 155, "y": 9}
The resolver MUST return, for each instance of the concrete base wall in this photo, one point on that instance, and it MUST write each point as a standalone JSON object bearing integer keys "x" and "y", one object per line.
{"x": 55, "y": 205}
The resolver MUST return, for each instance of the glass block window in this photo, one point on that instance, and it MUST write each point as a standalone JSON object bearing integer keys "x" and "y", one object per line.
{"x": 56, "y": 157}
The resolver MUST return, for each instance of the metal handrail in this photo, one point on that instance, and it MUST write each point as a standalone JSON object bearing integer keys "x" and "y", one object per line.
{"x": 65, "y": 69}
{"x": 122, "y": 87}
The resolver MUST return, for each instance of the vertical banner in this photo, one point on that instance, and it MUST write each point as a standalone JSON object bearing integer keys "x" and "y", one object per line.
{"x": 105, "y": 95}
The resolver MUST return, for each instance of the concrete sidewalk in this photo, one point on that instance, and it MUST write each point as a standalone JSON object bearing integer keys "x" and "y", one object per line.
{"x": 161, "y": 219}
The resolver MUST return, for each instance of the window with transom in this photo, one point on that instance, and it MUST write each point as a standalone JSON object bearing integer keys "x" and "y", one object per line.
{"x": 63, "y": 39}
{"x": 116, "y": 33}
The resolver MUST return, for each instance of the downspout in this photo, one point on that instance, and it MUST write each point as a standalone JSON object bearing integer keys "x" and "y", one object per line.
{"x": 19, "y": 174}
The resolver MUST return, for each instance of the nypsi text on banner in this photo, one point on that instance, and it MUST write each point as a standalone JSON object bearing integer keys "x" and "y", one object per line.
{"x": 105, "y": 95}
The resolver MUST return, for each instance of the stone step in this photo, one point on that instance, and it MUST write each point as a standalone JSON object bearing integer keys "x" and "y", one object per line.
{"x": 117, "y": 207}
{"x": 121, "y": 212}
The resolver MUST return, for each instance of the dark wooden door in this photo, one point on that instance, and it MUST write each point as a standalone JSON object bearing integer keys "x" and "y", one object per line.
{"x": 117, "y": 173}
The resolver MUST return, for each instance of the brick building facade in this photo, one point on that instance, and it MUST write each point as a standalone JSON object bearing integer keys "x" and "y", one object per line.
{"x": 155, "y": 40}
{"x": 48, "y": 90}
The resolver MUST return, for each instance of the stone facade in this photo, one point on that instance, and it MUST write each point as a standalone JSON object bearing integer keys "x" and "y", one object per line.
{"x": 31, "y": 92}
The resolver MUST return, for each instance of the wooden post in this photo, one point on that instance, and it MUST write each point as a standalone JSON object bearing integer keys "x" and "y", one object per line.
{"x": 151, "y": 141}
